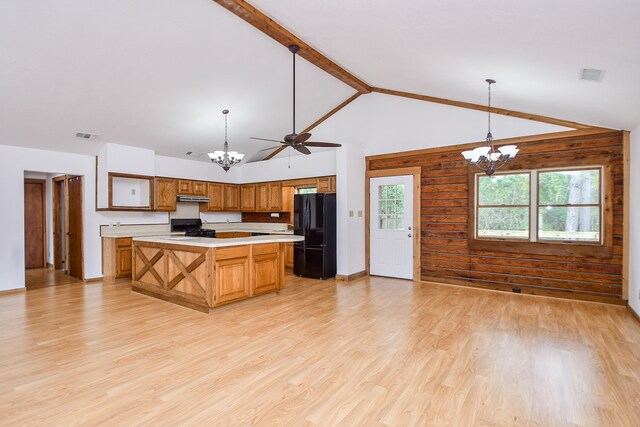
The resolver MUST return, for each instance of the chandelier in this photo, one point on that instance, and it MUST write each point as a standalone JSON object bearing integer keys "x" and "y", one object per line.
{"x": 225, "y": 158}
{"x": 487, "y": 158}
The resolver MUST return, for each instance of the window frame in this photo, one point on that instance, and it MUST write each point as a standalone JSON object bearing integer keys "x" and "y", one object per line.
{"x": 573, "y": 248}
{"x": 478, "y": 206}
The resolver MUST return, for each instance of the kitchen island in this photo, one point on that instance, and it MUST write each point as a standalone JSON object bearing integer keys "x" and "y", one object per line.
{"x": 203, "y": 273}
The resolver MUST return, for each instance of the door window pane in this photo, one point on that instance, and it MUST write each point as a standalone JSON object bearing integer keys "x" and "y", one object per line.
{"x": 498, "y": 222}
{"x": 391, "y": 207}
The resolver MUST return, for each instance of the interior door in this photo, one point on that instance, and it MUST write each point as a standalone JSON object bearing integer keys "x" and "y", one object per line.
{"x": 34, "y": 223}
{"x": 74, "y": 229}
{"x": 58, "y": 223}
{"x": 391, "y": 226}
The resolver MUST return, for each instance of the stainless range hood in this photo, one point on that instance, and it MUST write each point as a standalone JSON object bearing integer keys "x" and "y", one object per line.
{"x": 193, "y": 199}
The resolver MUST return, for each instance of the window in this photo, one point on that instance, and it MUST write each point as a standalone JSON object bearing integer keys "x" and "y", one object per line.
{"x": 310, "y": 190}
{"x": 391, "y": 207}
{"x": 546, "y": 205}
{"x": 503, "y": 206}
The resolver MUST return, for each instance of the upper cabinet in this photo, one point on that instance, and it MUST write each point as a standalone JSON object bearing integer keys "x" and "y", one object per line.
{"x": 262, "y": 197}
{"x": 326, "y": 184}
{"x": 275, "y": 197}
{"x": 192, "y": 188}
{"x": 232, "y": 198}
{"x": 248, "y": 198}
{"x": 166, "y": 193}
{"x": 215, "y": 192}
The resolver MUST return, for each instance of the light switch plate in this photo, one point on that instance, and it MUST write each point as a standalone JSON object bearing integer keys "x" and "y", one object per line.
{"x": 359, "y": 214}
{"x": 350, "y": 214}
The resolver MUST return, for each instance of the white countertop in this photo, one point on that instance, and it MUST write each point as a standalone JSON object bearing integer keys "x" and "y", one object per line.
{"x": 143, "y": 234}
{"x": 207, "y": 242}
{"x": 144, "y": 230}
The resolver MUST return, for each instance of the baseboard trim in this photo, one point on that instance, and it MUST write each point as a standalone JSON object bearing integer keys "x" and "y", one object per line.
{"x": 94, "y": 279}
{"x": 350, "y": 277}
{"x": 633, "y": 312}
{"x": 13, "y": 291}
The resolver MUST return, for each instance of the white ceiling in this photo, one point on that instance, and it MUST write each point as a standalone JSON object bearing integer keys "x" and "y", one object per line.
{"x": 534, "y": 49}
{"x": 157, "y": 73}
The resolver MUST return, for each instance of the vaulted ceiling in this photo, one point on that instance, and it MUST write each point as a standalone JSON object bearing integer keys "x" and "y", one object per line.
{"x": 157, "y": 73}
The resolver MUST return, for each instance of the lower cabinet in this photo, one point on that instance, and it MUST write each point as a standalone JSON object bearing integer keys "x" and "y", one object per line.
{"x": 288, "y": 255}
{"x": 116, "y": 258}
{"x": 265, "y": 274}
{"x": 232, "y": 274}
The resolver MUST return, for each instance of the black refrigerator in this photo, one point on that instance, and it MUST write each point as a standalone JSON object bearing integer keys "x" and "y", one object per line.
{"x": 315, "y": 219}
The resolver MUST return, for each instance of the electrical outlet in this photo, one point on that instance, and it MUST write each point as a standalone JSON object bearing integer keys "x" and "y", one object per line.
{"x": 133, "y": 191}
{"x": 350, "y": 214}
{"x": 359, "y": 214}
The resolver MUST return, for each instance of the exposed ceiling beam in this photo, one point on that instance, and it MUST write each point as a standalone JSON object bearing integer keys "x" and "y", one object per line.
{"x": 332, "y": 112}
{"x": 317, "y": 122}
{"x": 477, "y": 107}
{"x": 283, "y": 36}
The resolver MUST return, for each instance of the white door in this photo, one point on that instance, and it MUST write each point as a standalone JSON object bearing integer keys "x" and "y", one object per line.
{"x": 391, "y": 226}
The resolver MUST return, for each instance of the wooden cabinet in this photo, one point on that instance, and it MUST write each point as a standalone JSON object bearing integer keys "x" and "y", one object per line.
{"x": 232, "y": 234}
{"x": 166, "y": 190}
{"x": 231, "y": 198}
{"x": 275, "y": 197}
{"x": 199, "y": 188}
{"x": 232, "y": 274}
{"x": 269, "y": 197}
{"x": 264, "y": 268}
{"x": 116, "y": 258}
{"x": 326, "y": 184}
{"x": 215, "y": 192}
{"x": 288, "y": 255}
{"x": 262, "y": 197}
{"x": 248, "y": 198}
{"x": 192, "y": 188}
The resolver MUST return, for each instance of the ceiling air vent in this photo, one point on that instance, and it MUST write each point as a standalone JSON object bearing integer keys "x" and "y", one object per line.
{"x": 85, "y": 135}
{"x": 591, "y": 74}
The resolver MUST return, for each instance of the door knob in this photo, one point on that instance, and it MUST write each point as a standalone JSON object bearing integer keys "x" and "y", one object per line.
{"x": 409, "y": 227}
{"x": 409, "y": 234}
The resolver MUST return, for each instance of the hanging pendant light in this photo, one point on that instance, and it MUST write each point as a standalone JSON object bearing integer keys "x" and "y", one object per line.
{"x": 226, "y": 159}
{"x": 487, "y": 158}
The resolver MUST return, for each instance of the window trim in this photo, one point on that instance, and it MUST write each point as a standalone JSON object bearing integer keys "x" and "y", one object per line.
{"x": 602, "y": 249}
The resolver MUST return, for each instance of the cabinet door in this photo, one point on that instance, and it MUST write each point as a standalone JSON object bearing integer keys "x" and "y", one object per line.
{"x": 215, "y": 191}
{"x": 199, "y": 188}
{"x": 166, "y": 192}
{"x": 264, "y": 268}
{"x": 262, "y": 197}
{"x": 123, "y": 257}
{"x": 288, "y": 255}
{"x": 231, "y": 198}
{"x": 324, "y": 184}
{"x": 248, "y": 202}
{"x": 185, "y": 186}
{"x": 232, "y": 274}
{"x": 275, "y": 197}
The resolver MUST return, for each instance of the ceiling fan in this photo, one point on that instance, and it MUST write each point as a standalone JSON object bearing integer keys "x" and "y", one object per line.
{"x": 300, "y": 142}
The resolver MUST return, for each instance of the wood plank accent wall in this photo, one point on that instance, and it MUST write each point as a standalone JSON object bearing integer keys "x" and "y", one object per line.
{"x": 446, "y": 257}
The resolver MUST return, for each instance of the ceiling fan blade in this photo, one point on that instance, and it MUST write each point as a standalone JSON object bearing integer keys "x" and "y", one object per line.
{"x": 302, "y": 137}
{"x": 321, "y": 144}
{"x": 265, "y": 139}
{"x": 301, "y": 148}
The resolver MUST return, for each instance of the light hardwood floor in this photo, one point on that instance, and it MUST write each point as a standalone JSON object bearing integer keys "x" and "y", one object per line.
{"x": 370, "y": 352}
{"x": 42, "y": 277}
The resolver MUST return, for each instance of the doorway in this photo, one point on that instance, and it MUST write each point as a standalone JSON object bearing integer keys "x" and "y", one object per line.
{"x": 74, "y": 221}
{"x": 59, "y": 226}
{"x": 35, "y": 229}
{"x": 391, "y": 226}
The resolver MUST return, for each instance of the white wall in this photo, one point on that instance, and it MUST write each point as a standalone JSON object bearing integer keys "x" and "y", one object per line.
{"x": 198, "y": 170}
{"x": 634, "y": 243}
{"x": 389, "y": 124}
{"x": 350, "y": 197}
{"x": 317, "y": 163}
